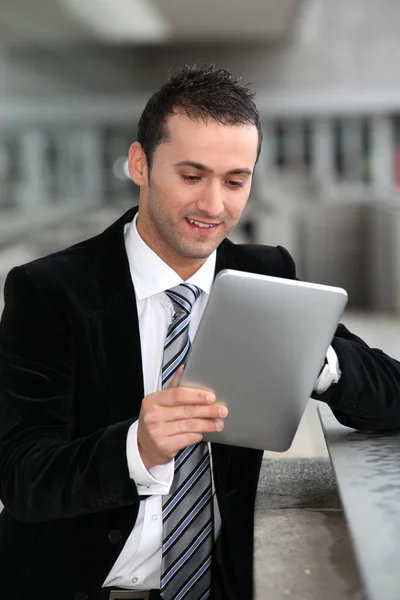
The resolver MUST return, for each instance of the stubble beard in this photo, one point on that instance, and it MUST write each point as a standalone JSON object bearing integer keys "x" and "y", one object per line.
{"x": 166, "y": 235}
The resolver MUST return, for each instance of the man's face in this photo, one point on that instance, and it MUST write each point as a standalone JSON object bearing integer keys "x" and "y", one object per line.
{"x": 198, "y": 187}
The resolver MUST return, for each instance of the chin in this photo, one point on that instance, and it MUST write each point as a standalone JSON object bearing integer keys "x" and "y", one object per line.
{"x": 196, "y": 255}
{"x": 196, "y": 251}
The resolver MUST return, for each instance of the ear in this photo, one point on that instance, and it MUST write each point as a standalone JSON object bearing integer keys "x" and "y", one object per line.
{"x": 137, "y": 164}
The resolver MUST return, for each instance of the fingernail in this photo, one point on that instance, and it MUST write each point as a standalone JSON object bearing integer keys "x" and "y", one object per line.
{"x": 219, "y": 424}
{"x": 210, "y": 398}
{"x": 222, "y": 411}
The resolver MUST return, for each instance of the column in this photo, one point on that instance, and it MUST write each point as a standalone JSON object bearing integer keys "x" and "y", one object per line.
{"x": 92, "y": 153}
{"x": 383, "y": 154}
{"x": 264, "y": 166}
{"x": 294, "y": 145}
{"x": 266, "y": 162}
{"x": 352, "y": 150}
{"x": 34, "y": 172}
{"x": 323, "y": 163}
{"x": 66, "y": 179}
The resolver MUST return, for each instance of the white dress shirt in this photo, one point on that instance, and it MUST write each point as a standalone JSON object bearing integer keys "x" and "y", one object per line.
{"x": 139, "y": 563}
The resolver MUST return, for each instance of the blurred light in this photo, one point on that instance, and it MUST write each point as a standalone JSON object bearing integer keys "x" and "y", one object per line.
{"x": 122, "y": 21}
{"x": 126, "y": 169}
{"x": 120, "y": 168}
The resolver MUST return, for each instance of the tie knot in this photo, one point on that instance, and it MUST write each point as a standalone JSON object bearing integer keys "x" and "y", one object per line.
{"x": 183, "y": 296}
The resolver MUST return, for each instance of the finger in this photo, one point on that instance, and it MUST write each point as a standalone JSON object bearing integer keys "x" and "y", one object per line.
{"x": 193, "y": 426}
{"x": 190, "y": 411}
{"x": 175, "y": 381}
{"x": 184, "y": 395}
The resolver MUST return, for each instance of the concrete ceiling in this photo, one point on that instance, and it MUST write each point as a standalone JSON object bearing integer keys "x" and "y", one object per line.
{"x": 44, "y": 22}
{"x": 50, "y": 47}
{"x": 23, "y": 22}
{"x": 218, "y": 20}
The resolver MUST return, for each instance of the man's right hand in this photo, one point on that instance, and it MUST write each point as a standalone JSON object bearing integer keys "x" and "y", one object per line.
{"x": 175, "y": 418}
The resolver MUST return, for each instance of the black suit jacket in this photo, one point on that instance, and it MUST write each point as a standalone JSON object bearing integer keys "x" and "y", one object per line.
{"x": 71, "y": 385}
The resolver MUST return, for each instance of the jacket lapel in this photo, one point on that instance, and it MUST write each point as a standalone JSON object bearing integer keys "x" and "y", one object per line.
{"x": 115, "y": 329}
{"x": 115, "y": 324}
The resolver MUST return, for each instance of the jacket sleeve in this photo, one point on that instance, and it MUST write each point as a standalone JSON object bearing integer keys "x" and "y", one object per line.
{"x": 45, "y": 473}
{"x": 367, "y": 396}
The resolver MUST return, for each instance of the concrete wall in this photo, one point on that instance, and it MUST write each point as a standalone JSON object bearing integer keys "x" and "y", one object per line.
{"x": 383, "y": 258}
{"x": 334, "y": 250}
{"x": 355, "y": 246}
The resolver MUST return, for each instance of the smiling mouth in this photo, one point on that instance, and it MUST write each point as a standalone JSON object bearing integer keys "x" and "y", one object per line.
{"x": 202, "y": 224}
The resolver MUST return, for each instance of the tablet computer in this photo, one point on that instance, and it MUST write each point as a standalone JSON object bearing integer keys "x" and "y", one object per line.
{"x": 260, "y": 346}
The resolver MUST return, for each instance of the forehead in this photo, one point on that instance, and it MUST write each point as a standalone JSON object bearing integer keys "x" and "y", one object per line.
{"x": 209, "y": 142}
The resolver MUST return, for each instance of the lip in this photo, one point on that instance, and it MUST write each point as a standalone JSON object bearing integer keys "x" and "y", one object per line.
{"x": 203, "y": 230}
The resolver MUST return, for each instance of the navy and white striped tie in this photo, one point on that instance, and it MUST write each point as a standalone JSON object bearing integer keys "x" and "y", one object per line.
{"x": 187, "y": 509}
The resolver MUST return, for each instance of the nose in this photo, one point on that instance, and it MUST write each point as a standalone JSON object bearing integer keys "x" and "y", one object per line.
{"x": 211, "y": 200}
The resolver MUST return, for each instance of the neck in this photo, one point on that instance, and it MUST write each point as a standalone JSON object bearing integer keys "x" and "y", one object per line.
{"x": 185, "y": 272}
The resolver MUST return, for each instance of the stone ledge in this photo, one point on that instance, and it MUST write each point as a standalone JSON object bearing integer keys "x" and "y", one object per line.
{"x": 302, "y": 550}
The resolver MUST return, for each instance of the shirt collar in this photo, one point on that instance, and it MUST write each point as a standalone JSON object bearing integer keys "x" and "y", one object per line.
{"x": 151, "y": 275}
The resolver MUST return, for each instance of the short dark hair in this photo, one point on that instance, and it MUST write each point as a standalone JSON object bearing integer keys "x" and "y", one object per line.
{"x": 200, "y": 91}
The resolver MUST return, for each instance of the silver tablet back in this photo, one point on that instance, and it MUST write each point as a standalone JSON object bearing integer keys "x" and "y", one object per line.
{"x": 260, "y": 346}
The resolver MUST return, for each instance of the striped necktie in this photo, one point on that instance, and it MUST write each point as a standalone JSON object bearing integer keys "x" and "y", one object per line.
{"x": 187, "y": 509}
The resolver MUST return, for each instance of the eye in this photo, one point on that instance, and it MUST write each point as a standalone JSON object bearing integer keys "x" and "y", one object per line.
{"x": 190, "y": 178}
{"x": 236, "y": 184}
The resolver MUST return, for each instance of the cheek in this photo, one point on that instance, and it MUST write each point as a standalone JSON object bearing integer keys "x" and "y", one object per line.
{"x": 170, "y": 197}
{"x": 183, "y": 196}
{"x": 234, "y": 205}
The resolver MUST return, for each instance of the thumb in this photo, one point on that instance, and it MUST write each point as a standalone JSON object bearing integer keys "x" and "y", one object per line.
{"x": 174, "y": 382}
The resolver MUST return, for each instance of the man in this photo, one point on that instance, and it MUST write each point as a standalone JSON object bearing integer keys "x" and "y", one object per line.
{"x": 108, "y": 490}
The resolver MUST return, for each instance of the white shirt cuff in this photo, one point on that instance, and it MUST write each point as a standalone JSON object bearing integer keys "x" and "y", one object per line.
{"x": 157, "y": 480}
{"x": 331, "y": 373}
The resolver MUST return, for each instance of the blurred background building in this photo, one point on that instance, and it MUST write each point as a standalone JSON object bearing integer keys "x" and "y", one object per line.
{"x": 75, "y": 76}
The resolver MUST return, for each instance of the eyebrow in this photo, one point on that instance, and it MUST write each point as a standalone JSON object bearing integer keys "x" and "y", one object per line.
{"x": 200, "y": 167}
